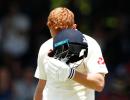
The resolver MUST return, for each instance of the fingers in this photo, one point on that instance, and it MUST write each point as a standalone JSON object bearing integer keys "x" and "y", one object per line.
{"x": 51, "y": 53}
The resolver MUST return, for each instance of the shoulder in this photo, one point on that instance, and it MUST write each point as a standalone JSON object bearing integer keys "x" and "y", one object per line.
{"x": 46, "y": 46}
{"x": 90, "y": 40}
{"x": 93, "y": 46}
{"x": 47, "y": 43}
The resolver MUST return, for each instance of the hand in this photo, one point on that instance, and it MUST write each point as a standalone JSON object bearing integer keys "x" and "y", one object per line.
{"x": 58, "y": 70}
{"x": 51, "y": 53}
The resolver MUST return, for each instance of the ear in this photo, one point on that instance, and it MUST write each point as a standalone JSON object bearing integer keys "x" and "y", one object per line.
{"x": 74, "y": 26}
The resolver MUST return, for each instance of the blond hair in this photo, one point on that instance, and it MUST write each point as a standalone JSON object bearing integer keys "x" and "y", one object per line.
{"x": 60, "y": 18}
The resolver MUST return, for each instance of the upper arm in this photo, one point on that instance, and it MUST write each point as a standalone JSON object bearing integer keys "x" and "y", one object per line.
{"x": 95, "y": 62}
{"x": 40, "y": 70}
{"x": 40, "y": 86}
{"x": 44, "y": 49}
{"x": 39, "y": 90}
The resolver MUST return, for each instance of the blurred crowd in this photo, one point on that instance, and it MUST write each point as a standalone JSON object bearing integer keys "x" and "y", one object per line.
{"x": 23, "y": 29}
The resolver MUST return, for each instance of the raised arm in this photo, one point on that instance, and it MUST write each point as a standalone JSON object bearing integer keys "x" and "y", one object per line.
{"x": 91, "y": 80}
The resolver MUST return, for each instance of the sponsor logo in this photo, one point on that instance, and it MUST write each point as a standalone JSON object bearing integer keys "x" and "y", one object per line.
{"x": 100, "y": 61}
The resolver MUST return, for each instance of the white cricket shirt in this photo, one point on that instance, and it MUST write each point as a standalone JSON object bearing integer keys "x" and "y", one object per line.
{"x": 71, "y": 90}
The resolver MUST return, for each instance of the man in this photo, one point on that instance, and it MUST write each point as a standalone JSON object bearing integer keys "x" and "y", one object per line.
{"x": 57, "y": 79}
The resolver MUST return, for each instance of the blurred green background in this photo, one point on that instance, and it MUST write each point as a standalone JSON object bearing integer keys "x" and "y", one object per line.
{"x": 23, "y": 29}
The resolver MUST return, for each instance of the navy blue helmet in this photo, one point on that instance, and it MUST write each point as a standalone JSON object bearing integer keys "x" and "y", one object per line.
{"x": 68, "y": 44}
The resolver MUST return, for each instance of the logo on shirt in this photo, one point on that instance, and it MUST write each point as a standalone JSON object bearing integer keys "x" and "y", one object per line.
{"x": 100, "y": 61}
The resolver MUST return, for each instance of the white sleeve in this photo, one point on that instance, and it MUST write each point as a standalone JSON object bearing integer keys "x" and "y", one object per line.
{"x": 40, "y": 72}
{"x": 95, "y": 61}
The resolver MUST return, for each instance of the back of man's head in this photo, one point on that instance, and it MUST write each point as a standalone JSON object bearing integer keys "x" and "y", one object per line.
{"x": 60, "y": 18}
